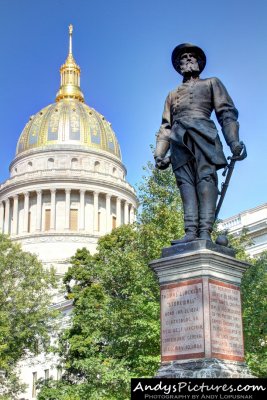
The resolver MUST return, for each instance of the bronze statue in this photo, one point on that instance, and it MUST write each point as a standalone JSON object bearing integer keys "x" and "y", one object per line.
{"x": 191, "y": 138}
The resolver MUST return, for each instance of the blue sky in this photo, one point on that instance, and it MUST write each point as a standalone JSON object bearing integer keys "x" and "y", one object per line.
{"x": 124, "y": 50}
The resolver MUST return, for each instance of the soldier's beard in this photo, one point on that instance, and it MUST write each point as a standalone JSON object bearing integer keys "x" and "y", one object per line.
{"x": 190, "y": 68}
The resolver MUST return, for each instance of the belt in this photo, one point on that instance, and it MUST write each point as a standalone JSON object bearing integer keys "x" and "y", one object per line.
{"x": 192, "y": 115}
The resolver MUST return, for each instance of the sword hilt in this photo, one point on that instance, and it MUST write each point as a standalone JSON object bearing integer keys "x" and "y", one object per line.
{"x": 241, "y": 156}
{"x": 233, "y": 159}
{"x": 228, "y": 170}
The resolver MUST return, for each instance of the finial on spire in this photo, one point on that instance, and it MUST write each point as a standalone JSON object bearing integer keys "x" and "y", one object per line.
{"x": 70, "y": 76}
{"x": 70, "y": 33}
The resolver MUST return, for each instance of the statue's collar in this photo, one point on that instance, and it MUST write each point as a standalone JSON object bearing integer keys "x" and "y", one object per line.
{"x": 190, "y": 79}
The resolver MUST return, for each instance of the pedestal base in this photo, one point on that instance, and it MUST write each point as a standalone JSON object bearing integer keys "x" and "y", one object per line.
{"x": 201, "y": 319}
{"x": 206, "y": 368}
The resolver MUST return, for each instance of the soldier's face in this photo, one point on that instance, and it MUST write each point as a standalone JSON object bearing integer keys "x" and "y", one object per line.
{"x": 188, "y": 64}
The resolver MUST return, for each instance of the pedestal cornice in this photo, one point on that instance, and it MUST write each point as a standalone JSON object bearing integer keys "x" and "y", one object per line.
{"x": 197, "y": 264}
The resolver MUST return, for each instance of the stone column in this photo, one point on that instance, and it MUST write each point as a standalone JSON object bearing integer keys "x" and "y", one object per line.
{"x": 67, "y": 209}
{"x": 1, "y": 217}
{"x": 201, "y": 320}
{"x": 39, "y": 210}
{"x": 126, "y": 212}
{"x": 26, "y": 212}
{"x": 82, "y": 209}
{"x": 53, "y": 209}
{"x": 15, "y": 214}
{"x": 118, "y": 212}
{"x": 132, "y": 216}
{"x": 108, "y": 214}
{"x": 7, "y": 215}
{"x": 96, "y": 198}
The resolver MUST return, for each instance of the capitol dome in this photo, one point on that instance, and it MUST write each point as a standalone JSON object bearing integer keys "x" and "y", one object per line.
{"x": 69, "y": 121}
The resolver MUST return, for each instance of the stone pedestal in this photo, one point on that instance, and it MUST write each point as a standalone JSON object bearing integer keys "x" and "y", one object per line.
{"x": 201, "y": 322}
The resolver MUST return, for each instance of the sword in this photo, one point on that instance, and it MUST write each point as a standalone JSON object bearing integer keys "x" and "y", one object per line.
{"x": 228, "y": 170}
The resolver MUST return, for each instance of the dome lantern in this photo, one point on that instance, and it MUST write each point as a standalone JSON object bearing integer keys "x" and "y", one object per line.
{"x": 69, "y": 121}
{"x": 70, "y": 76}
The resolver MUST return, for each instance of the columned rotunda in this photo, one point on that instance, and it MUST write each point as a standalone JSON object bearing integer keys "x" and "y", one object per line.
{"x": 67, "y": 183}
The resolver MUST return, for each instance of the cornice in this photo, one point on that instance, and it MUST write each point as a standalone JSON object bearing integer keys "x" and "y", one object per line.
{"x": 59, "y": 177}
{"x": 34, "y": 237}
{"x": 64, "y": 148}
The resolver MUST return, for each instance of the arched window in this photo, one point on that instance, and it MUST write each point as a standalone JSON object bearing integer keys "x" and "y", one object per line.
{"x": 97, "y": 166}
{"x": 74, "y": 163}
{"x": 50, "y": 163}
{"x": 29, "y": 166}
{"x": 114, "y": 171}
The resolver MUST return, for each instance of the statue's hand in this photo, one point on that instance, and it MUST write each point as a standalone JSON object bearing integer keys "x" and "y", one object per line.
{"x": 162, "y": 163}
{"x": 236, "y": 148}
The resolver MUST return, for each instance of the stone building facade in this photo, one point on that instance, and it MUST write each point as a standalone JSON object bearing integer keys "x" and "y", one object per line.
{"x": 254, "y": 221}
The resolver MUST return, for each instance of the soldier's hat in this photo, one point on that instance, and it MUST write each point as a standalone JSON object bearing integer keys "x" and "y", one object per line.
{"x": 186, "y": 48}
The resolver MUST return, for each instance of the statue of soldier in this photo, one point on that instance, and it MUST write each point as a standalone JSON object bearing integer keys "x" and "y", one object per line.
{"x": 191, "y": 138}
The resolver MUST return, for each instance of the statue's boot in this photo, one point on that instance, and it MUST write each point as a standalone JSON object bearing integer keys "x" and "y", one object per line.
{"x": 207, "y": 198}
{"x": 190, "y": 205}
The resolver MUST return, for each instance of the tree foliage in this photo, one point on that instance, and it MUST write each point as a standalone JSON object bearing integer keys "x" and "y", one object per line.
{"x": 161, "y": 216}
{"x": 254, "y": 294}
{"x": 115, "y": 331}
{"x": 25, "y": 317}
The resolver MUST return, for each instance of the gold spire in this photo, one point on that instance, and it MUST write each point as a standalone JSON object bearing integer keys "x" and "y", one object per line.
{"x": 70, "y": 43}
{"x": 70, "y": 76}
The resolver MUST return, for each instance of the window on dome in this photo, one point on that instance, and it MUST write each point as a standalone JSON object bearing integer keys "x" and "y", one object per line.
{"x": 111, "y": 144}
{"x": 73, "y": 219}
{"x": 97, "y": 166}
{"x": 21, "y": 146}
{"x": 50, "y": 163}
{"x": 52, "y": 135}
{"x": 74, "y": 126}
{"x": 52, "y": 132}
{"x": 47, "y": 219}
{"x": 74, "y": 163}
{"x": 95, "y": 135}
{"x": 29, "y": 222}
{"x": 33, "y": 137}
{"x": 99, "y": 221}
{"x": 74, "y": 135}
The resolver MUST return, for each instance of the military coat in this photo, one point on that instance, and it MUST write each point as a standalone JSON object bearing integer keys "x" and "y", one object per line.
{"x": 187, "y": 111}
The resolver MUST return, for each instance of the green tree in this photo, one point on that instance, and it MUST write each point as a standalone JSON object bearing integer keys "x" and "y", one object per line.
{"x": 25, "y": 317}
{"x": 254, "y": 294}
{"x": 115, "y": 330}
{"x": 161, "y": 216}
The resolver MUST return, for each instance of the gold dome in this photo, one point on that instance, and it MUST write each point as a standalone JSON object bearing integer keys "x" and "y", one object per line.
{"x": 69, "y": 121}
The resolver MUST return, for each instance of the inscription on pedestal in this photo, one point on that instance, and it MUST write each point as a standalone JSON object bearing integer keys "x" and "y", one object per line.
{"x": 226, "y": 321}
{"x": 182, "y": 334}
